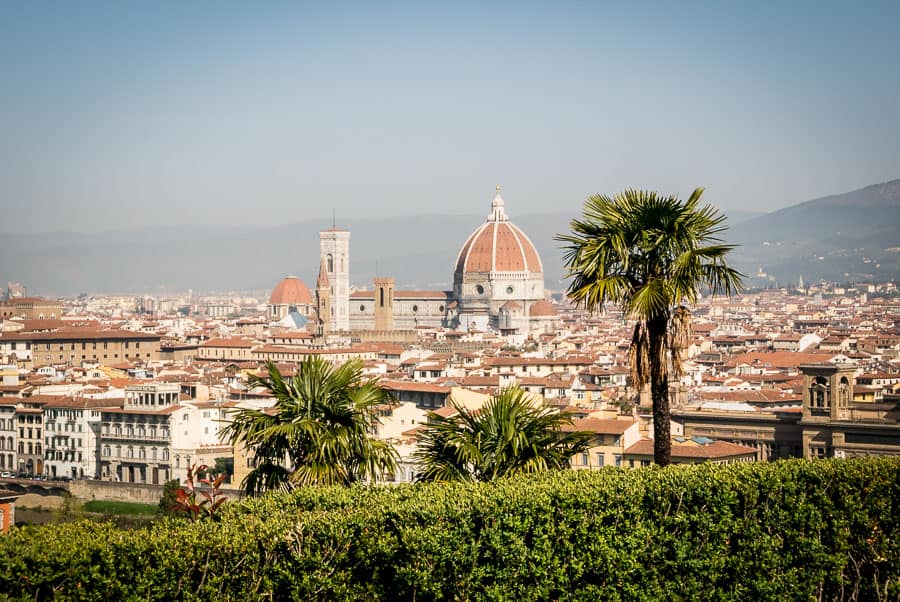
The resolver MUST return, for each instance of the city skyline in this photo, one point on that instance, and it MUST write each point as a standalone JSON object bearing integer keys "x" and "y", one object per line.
{"x": 119, "y": 117}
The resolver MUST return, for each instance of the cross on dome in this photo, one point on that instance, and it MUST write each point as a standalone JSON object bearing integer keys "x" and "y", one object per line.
{"x": 498, "y": 213}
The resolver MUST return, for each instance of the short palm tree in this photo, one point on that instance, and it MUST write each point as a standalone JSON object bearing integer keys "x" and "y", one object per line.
{"x": 509, "y": 435}
{"x": 651, "y": 254}
{"x": 319, "y": 430}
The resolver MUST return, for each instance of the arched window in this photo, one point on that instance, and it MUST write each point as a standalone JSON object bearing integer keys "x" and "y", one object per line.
{"x": 844, "y": 392}
{"x": 818, "y": 393}
{"x": 329, "y": 262}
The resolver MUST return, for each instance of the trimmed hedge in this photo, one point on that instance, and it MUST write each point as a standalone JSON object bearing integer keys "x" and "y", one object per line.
{"x": 795, "y": 530}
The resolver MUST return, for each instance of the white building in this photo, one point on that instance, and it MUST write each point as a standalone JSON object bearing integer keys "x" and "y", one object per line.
{"x": 72, "y": 437}
{"x": 334, "y": 247}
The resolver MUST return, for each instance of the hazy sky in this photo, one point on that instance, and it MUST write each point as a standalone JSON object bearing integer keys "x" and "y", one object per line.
{"x": 125, "y": 114}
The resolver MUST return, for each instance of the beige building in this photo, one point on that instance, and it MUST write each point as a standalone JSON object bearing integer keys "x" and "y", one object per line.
{"x": 30, "y": 308}
{"x": 77, "y": 346}
{"x": 611, "y": 438}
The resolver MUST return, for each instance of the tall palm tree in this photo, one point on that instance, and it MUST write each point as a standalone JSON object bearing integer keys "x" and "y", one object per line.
{"x": 651, "y": 254}
{"x": 509, "y": 435}
{"x": 318, "y": 431}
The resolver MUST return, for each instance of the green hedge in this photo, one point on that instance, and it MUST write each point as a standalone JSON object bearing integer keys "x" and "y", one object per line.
{"x": 793, "y": 530}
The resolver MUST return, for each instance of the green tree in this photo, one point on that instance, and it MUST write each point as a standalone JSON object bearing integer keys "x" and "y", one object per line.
{"x": 169, "y": 500}
{"x": 318, "y": 431}
{"x": 511, "y": 434}
{"x": 651, "y": 254}
{"x": 224, "y": 466}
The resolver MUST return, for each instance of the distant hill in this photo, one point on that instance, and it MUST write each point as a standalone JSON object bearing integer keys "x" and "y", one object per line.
{"x": 850, "y": 236}
{"x": 853, "y": 232}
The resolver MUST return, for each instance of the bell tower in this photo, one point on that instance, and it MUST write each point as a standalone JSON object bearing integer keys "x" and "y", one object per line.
{"x": 323, "y": 301}
{"x": 384, "y": 304}
{"x": 334, "y": 250}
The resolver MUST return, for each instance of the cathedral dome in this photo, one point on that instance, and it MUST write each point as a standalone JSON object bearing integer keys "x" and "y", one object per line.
{"x": 497, "y": 246}
{"x": 290, "y": 291}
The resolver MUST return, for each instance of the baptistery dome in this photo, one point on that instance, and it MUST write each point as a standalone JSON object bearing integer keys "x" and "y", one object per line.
{"x": 496, "y": 264}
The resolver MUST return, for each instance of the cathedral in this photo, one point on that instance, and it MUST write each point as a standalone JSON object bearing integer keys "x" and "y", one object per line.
{"x": 498, "y": 285}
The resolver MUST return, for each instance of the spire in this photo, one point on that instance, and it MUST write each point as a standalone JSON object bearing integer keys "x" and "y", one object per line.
{"x": 498, "y": 213}
{"x": 322, "y": 280}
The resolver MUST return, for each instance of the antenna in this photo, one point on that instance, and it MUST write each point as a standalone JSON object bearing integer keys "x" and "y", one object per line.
{"x": 376, "y": 268}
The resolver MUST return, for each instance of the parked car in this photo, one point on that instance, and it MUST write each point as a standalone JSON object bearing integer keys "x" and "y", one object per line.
{"x": 6, "y": 475}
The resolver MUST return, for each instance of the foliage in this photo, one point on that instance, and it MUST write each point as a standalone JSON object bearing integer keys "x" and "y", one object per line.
{"x": 224, "y": 466}
{"x": 511, "y": 434}
{"x": 169, "y": 498}
{"x": 70, "y": 509}
{"x": 318, "y": 432}
{"x": 651, "y": 254}
{"x": 796, "y": 530}
{"x": 194, "y": 500}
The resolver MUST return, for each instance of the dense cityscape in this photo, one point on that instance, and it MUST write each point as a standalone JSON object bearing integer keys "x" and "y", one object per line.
{"x": 136, "y": 389}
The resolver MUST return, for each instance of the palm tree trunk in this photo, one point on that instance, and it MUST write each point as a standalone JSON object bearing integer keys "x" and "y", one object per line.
{"x": 659, "y": 390}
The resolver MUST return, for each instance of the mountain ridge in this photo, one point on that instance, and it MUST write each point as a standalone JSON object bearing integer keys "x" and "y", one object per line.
{"x": 851, "y": 232}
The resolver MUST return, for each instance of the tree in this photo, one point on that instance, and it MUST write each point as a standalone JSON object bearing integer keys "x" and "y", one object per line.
{"x": 318, "y": 432}
{"x": 651, "y": 254}
{"x": 509, "y": 435}
{"x": 167, "y": 503}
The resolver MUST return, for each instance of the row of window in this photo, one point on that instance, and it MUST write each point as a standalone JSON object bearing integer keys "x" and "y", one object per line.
{"x": 64, "y": 456}
{"x": 32, "y": 433}
{"x": 65, "y": 427}
{"x": 130, "y": 431}
{"x": 130, "y": 452}
{"x": 137, "y": 345}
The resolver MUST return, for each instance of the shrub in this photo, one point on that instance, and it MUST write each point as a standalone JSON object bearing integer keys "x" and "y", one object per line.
{"x": 790, "y": 530}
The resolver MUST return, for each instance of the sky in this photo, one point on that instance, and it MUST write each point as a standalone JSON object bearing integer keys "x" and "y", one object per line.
{"x": 118, "y": 115}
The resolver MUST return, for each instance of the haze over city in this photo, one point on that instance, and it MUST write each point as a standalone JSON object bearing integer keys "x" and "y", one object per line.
{"x": 119, "y": 117}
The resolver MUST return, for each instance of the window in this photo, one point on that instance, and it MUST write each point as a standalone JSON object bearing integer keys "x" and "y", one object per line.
{"x": 585, "y": 459}
{"x": 618, "y": 459}
{"x": 479, "y": 289}
{"x": 600, "y": 458}
{"x": 509, "y": 290}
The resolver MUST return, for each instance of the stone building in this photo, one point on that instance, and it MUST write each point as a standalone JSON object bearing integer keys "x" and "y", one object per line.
{"x": 30, "y": 308}
{"x": 136, "y": 439}
{"x": 834, "y": 425}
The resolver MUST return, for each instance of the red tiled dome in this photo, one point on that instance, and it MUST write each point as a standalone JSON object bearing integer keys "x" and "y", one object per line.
{"x": 542, "y": 308}
{"x": 290, "y": 291}
{"x": 498, "y": 247}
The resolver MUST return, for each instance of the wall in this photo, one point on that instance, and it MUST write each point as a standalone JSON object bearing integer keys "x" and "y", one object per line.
{"x": 124, "y": 492}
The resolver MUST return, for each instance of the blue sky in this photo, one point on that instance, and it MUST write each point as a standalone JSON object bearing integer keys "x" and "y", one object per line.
{"x": 116, "y": 116}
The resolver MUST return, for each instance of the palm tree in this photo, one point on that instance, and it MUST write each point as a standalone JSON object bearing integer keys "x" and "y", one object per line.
{"x": 509, "y": 435}
{"x": 651, "y": 254}
{"x": 318, "y": 431}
